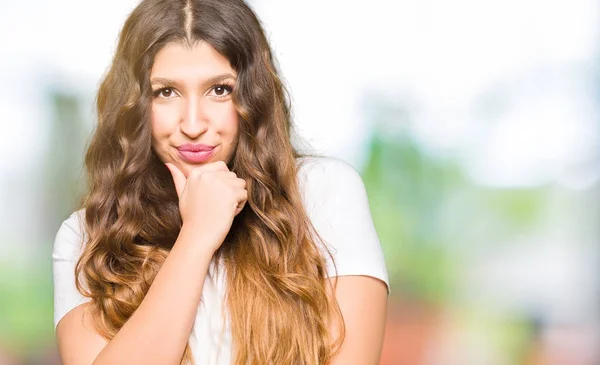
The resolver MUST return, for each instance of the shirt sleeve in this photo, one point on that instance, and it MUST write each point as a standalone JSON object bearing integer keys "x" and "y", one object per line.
{"x": 65, "y": 253}
{"x": 336, "y": 202}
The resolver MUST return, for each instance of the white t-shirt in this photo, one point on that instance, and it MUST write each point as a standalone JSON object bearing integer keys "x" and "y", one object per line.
{"x": 336, "y": 202}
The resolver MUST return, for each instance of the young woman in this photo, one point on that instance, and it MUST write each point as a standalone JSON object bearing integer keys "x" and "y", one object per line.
{"x": 205, "y": 237}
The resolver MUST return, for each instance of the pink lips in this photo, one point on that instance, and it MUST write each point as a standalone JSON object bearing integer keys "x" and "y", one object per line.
{"x": 195, "y": 153}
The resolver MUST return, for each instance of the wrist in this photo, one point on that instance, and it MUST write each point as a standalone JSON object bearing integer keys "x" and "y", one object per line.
{"x": 202, "y": 242}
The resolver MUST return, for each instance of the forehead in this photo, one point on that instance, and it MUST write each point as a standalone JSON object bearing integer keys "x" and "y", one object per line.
{"x": 179, "y": 60}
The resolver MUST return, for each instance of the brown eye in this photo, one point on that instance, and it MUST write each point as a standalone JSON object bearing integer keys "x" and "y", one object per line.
{"x": 165, "y": 92}
{"x": 222, "y": 91}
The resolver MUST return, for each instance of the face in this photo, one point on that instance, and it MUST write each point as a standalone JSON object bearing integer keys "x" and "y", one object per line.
{"x": 194, "y": 120}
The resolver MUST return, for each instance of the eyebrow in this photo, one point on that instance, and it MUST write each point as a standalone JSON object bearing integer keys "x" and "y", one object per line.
{"x": 211, "y": 80}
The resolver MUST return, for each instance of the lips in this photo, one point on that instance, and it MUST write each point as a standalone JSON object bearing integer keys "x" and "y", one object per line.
{"x": 195, "y": 147}
{"x": 196, "y": 153}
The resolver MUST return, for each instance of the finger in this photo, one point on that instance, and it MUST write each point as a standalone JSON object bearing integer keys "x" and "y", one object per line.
{"x": 241, "y": 205}
{"x": 218, "y": 166}
{"x": 178, "y": 178}
{"x": 239, "y": 183}
{"x": 241, "y": 196}
{"x": 214, "y": 166}
{"x": 239, "y": 208}
{"x": 229, "y": 177}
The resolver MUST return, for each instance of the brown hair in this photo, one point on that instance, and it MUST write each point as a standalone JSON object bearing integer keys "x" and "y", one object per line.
{"x": 277, "y": 294}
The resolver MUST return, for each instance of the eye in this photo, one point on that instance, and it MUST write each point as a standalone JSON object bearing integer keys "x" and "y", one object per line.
{"x": 222, "y": 90}
{"x": 164, "y": 92}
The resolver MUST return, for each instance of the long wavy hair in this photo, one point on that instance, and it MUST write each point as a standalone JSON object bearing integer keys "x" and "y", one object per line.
{"x": 277, "y": 294}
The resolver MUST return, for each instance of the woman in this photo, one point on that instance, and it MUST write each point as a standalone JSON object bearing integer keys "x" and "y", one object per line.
{"x": 205, "y": 237}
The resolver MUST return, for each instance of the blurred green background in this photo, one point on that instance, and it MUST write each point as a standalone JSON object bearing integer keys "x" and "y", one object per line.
{"x": 473, "y": 124}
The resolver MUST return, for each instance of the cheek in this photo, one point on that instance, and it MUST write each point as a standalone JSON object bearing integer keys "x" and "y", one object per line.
{"x": 162, "y": 120}
{"x": 230, "y": 122}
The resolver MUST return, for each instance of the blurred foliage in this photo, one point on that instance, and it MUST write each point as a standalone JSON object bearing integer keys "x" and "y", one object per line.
{"x": 26, "y": 308}
{"x": 428, "y": 214}
{"x": 433, "y": 221}
{"x": 26, "y": 314}
{"x": 64, "y": 177}
{"x": 406, "y": 192}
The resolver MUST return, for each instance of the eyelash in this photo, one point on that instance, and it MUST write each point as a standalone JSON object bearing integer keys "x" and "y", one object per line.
{"x": 227, "y": 87}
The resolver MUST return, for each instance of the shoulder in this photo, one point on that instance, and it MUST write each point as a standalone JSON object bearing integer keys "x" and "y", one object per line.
{"x": 329, "y": 181}
{"x": 325, "y": 167}
{"x": 70, "y": 236}
{"x": 320, "y": 177}
{"x": 68, "y": 246}
{"x": 336, "y": 202}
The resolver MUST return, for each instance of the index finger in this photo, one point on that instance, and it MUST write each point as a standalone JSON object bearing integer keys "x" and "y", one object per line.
{"x": 213, "y": 166}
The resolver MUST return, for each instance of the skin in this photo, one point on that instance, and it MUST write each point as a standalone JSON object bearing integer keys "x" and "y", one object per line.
{"x": 190, "y": 107}
{"x": 363, "y": 303}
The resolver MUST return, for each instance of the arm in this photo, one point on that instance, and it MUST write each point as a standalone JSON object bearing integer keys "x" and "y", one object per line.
{"x": 209, "y": 198}
{"x": 363, "y": 303}
{"x": 178, "y": 284}
{"x": 339, "y": 210}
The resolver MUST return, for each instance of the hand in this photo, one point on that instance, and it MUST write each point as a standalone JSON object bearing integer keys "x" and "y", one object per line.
{"x": 209, "y": 198}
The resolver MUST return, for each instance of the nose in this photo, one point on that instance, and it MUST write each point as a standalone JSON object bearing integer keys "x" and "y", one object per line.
{"x": 194, "y": 120}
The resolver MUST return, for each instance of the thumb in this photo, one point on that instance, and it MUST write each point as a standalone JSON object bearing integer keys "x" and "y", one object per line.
{"x": 178, "y": 178}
